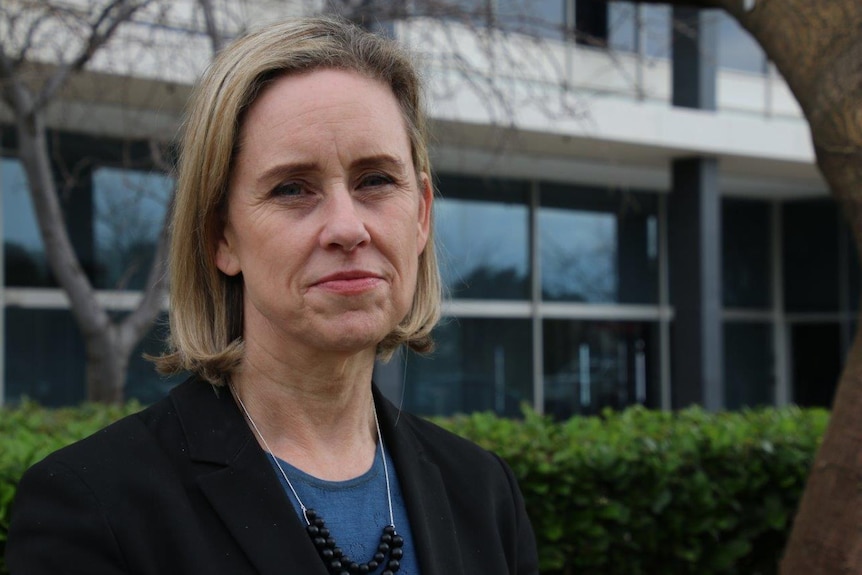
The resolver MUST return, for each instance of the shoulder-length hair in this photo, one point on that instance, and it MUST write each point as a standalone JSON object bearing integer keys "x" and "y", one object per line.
{"x": 206, "y": 306}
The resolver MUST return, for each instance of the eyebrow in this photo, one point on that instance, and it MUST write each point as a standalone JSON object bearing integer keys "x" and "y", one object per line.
{"x": 380, "y": 160}
{"x": 281, "y": 170}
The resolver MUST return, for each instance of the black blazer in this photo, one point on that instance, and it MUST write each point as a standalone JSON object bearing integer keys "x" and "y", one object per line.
{"x": 183, "y": 487}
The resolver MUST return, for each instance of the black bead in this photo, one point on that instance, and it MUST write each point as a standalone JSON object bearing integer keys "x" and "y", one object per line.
{"x": 340, "y": 564}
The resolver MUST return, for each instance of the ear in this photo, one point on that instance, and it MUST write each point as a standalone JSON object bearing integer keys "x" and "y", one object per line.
{"x": 226, "y": 258}
{"x": 426, "y": 203}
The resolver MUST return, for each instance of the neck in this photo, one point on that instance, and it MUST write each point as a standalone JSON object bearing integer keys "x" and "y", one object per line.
{"x": 316, "y": 415}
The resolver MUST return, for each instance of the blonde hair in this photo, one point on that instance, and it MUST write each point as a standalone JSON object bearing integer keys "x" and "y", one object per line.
{"x": 206, "y": 305}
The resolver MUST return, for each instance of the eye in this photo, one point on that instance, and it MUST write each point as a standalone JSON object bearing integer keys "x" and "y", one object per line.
{"x": 288, "y": 189}
{"x": 375, "y": 181}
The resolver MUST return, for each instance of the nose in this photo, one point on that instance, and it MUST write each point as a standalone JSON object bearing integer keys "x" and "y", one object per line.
{"x": 344, "y": 227}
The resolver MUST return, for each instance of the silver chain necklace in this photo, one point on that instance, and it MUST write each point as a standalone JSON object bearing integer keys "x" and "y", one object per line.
{"x": 391, "y": 544}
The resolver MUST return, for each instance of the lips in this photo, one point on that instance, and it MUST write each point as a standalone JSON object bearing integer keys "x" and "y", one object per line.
{"x": 349, "y": 282}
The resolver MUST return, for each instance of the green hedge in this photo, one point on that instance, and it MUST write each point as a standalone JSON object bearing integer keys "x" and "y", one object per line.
{"x": 645, "y": 492}
{"x": 637, "y": 492}
{"x": 30, "y": 432}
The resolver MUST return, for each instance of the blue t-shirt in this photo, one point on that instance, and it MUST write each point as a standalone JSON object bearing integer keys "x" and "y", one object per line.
{"x": 356, "y": 510}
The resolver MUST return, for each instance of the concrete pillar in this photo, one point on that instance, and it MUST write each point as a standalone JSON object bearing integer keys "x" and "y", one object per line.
{"x": 694, "y": 245}
{"x": 694, "y": 227}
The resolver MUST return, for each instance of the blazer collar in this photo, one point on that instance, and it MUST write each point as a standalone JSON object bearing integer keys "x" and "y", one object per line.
{"x": 251, "y": 502}
{"x": 431, "y": 520}
{"x": 242, "y": 487}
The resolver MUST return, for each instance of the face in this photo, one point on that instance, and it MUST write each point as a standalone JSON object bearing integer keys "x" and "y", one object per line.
{"x": 326, "y": 215}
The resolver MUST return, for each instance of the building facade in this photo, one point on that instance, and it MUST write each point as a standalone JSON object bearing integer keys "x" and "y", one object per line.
{"x": 628, "y": 213}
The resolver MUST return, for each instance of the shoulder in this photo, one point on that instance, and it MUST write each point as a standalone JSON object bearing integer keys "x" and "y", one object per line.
{"x": 474, "y": 484}
{"x": 65, "y": 505}
{"x": 127, "y": 438}
{"x": 113, "y": 464}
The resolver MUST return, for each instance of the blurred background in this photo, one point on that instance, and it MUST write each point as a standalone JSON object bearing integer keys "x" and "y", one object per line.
{"x": 628, "y": 206}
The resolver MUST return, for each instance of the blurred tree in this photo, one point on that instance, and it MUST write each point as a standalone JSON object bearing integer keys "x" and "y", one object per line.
{"x": 817, "y": 47}
{"x": 69, "y": 35}
{"x": 44, "y": 47}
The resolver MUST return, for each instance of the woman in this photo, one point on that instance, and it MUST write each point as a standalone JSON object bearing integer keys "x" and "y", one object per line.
{"x": 302, "y": 250}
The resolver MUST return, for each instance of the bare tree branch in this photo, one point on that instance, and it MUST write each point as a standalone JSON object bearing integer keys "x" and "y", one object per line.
{"x": 136, "y": 325}
{"x": 217, "y": 40}
{"x": 112, "y": 16}
{"x": 15, "y": 93}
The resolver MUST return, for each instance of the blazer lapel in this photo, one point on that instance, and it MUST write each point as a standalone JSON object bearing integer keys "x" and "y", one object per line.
{"x": 243, "y": 489}
{"x": 431, "y": 519}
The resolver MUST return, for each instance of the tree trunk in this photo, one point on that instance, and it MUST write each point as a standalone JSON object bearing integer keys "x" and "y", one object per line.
{"x": 108, "y": 345}
{"x": 825, "y": 538}
{"x": 817, "y": 47}
{"x": 107, "y": 362}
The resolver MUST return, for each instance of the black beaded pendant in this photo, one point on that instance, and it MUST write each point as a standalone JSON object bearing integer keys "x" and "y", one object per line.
{"x": 389, "y": 551}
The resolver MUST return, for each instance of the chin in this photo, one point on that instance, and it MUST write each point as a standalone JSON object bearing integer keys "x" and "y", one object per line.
{"x": 350, "y": 341}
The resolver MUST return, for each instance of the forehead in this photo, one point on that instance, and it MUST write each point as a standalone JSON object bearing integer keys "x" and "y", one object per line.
{"x": 321, "y": 98}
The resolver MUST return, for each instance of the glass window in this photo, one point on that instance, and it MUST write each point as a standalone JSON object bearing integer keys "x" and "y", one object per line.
{"x": 470, "y": 12}
{"x": 815, "y": 362}
{"x": 591, "y": 22}
{"x": 25, "y": 263}
{"x": 44, "y": 357}
{"x": 811, "y": 246}
{"x": 655, "y": 29}
{"x": 622, "y": 26}
{"x": 748, "y": 365}
{"x": 632, "y": 26}
{"x": 129, "y": 210}
{"x": 746, "y": 261}
{"x": 852, "y": 266}
{"x": 591, "y": 365}
{"x": 482, "y": 229}
{"x": 736, "y": 48}
{"x": 479, "y": 365}
{"x": 598, "y": 246}
{"x": 542, "y": 18}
